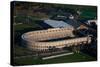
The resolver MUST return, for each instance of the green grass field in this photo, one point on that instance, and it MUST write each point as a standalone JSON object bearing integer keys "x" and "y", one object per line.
{"x": 65, "y": 59}
{"x": 87, "y": 14}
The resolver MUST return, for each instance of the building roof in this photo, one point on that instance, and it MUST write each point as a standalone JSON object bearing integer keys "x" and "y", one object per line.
{"x": 57, "y": 24}
{"x": 73, "y": 23}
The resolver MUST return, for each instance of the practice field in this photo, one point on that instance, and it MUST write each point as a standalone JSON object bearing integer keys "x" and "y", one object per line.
{"x": 76, "y": 57}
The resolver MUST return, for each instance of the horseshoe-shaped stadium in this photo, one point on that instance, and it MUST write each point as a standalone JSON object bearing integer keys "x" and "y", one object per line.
{"x": 40, "y": 40}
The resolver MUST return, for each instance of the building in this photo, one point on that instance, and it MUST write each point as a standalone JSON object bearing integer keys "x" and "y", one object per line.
{"x": 68, "y": 23}
{"x": 58, "y": 24}
{"x": 35, "y": 40}
{"x": 89, "y": 21}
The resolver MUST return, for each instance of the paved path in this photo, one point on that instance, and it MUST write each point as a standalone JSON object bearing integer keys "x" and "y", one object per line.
{"x": 55, "y": 56}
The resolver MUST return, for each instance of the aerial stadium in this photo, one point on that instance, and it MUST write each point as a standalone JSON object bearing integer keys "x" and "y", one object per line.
{"x": 40, "y": 40}
{"x": 53, "y": 33}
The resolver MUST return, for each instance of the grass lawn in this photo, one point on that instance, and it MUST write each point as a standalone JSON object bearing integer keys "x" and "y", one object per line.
{"x": 26, "y": 26}
{"x": 65, "y": 59}
{"x": 89, "y": 12}
{"x": 71, "y": 58}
